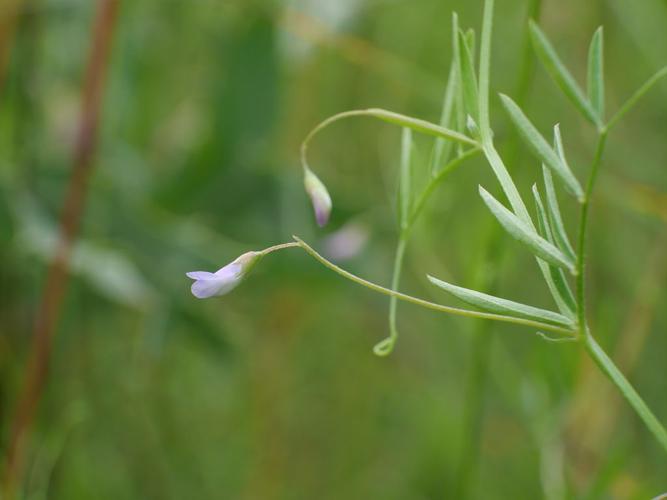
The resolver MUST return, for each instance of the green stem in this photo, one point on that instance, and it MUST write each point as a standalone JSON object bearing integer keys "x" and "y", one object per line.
{"x": 629, "y": 393}
{"x": 423, "y": 126}
{"x": 603, "y": 361}
{"x": 585, "y": 207}
{"x": 635, "y": 97}
{"x": 434, "y": 182}
{"x": 430, "y": 305}
{"x": 384, "y": 347}
{"x": 281, "y": 246}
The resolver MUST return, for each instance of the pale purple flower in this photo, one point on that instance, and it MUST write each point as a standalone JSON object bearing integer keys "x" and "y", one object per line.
{"x": 318, "y": 195}
{"x": 224, "y": 280}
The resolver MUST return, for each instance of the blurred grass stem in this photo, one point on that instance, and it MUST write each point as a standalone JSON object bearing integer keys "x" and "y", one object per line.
{"x": 53, "y": 294}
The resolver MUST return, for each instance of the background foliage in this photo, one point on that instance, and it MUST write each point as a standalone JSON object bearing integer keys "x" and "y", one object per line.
{"x": 273, "y": 392}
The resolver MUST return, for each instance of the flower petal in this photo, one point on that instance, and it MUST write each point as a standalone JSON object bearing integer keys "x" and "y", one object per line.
{"x": 203, "y": 289}
{"x": 230, "y": 271}
{"x": 200, "y": 275}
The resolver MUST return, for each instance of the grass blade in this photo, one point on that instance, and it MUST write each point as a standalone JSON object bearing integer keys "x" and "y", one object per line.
{"x": 596, "y": 74}
{"x": 491, "y": 303}
{"x": 541, "y": 147}
{"x": 525, "y": 234}
{"x": 547, "y": 55}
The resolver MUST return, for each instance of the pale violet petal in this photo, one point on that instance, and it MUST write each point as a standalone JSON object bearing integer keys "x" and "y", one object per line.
{"x": 203, "y": 289}
{"x": 229, "y": 271}
{"x": 227, "y": 286}
{"x": 200, "y": 275}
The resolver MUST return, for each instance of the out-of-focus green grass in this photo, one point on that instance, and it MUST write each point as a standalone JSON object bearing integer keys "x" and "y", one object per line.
{"x": 272, "y": 392}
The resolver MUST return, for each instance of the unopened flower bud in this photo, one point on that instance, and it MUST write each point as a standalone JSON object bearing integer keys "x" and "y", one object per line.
{"x": 225, "y": 279}
{"x": 318, "y": 195}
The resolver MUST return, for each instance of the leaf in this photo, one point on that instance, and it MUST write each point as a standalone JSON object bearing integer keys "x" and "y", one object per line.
{"x": 509, "y": 188}
{"x": 468, "y": 80}
{"x": 554, "y": 216}
{"x": 390, "y": 117}
{"x": 554, "y": 276}
{"x": 484, "y": 69}
{"x": 418, "y": 125}
{"x": 456, "y": 60}
{"x": 596, "y": 74}
{"x": 547, "y": 55}
{"x": 524, "y": 234}
{"x": 404, "y": 185}
{"x": 442, "y": 148}
{"x": 499, "y": 305}
{"x": 541, "y": 147}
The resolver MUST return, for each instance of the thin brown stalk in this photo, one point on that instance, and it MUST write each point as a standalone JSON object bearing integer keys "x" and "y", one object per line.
{"x": 50, "y": 305}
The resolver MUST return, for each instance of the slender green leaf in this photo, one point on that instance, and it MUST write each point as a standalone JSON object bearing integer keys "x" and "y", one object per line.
{"x": 499, "y": 305}
{"x": 525, "y": 234}
{"x": 419, "y": 125}
{"x": 484, "y": 69}
{"x": 506, "y": 182}
{"x": 554, "y": 276}
{"x": 468, "y": 80}
{"x": 442, "y": 149}
{"x": 596, "y": 74}
{"x": 555, "y": 218}
{"x": 405, "y": 184}
{"x": 470, "y": 41}
{"x": 460, "y": 107}
{"x": 634, "y": 99}
{"x": 547, "y": 55}
{"x": 541, "y": 147}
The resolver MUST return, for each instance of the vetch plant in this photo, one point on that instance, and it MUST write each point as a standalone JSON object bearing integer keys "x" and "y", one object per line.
{"x": 464, "y": 130}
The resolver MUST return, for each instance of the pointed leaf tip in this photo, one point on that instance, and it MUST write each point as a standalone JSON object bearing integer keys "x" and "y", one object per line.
{"x": 525, "y": 234}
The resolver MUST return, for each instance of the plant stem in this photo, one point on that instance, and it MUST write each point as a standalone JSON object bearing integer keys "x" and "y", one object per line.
{"x": 281, "y": 246}
{"x": 434, "y": 182}
{"x": 431, "y": 305}
{"x": 601, "y": 358}
{"x": 629, "y": 393}
{"x": 635, "y": 97}
{"x": 384, "y": 347}
{"x": 585, "y": 207}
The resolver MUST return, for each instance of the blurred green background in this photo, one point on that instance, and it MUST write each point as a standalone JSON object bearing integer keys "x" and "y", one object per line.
{"x": 273, "y": 392}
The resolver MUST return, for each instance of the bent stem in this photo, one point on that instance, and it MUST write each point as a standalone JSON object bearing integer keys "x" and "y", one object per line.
{"x": 594, "y": 350}
{"x": 431, "y": 305}
{"x": 385, "y": 346}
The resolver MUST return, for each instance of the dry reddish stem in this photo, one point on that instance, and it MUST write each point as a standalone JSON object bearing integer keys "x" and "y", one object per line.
{"x": 48, "y": 312}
